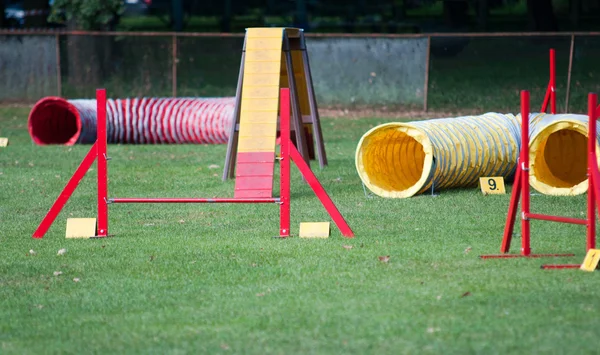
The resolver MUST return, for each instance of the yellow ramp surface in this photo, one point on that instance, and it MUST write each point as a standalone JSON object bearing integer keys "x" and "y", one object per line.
{"x": 258, "y": 112}
{"x": 260, "y": 90}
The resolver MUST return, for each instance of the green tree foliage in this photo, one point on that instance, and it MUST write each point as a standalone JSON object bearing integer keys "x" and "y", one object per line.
{"x": 87, "y": 14}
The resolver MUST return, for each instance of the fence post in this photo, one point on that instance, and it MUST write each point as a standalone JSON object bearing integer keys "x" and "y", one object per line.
{"x": 58, "y": 67}
{"x": 174, "y": 64}
{"x": 426, "y": 86}
{"x": 569, "y": 73}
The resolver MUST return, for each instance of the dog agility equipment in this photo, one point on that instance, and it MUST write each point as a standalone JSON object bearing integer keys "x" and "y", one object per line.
{"x": 251, "y": 176}
{"x": 521, "y": 191}
{"x": 399, "y": 160}
{"x": 274, "y": 57}
{"x": 54, "y": 120}
{"x": 254, "y": 170}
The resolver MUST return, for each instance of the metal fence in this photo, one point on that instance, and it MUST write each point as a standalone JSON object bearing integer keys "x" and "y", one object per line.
{"x": 431, "y": 71}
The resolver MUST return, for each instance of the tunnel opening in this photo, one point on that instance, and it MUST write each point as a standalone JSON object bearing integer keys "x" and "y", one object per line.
{"x": 393, "y": 163}
{"x": 53, "y": 120}
{"x": 560, "y": 162}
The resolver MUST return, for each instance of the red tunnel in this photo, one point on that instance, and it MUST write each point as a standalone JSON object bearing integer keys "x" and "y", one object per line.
{"x": 54, "y": 120}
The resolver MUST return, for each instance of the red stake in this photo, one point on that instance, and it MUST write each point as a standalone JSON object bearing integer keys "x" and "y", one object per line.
{"x": 102, "y": 166}
{"x": 551, "y": 89}
{"x": 512, "y": 212}
{"x": 592, "y": 166}
{"x": 284, "y": 164}
{"x": 552, "y": 81}
{"x": 524, "y": 166}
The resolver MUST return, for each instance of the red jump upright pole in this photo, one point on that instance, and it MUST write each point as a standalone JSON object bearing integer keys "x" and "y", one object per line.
{"x": 102, "y": 164}
{"x": 552, "y": 81}
{"x": 592, "y": 166}
{"x": 284, "y": 164}
{"x": 521, "y": 191}
{"x": 524, "y": 165}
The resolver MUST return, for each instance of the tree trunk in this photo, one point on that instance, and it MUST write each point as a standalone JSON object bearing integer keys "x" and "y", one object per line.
{"x": 2, "y": 20}
{"x": 575, "y": 12}
{"x": 350, "y": 20}
{"x": 177, "y": 15}
{"x": 90, "y": 59}
{"x": 541, "y": 16}
{"x": 301, "y": 15}
{"x": 39, "y": 18}
{"x": 227, "y": 16}
{"x": 483, "y": 14}
{"x": 83, "y": 67}
{"x": 456, "y": 13}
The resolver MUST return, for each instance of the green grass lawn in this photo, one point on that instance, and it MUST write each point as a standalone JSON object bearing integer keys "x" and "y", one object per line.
{"x": 211, "y": 279}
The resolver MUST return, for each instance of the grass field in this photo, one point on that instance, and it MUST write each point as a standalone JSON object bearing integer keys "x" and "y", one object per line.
{"x": 211, "y": 279}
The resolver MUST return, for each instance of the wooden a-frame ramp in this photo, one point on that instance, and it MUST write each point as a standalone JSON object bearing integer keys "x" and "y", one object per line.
{"x": 272, "y": 58}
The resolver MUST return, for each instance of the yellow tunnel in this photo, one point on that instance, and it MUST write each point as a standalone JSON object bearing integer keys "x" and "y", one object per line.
{"x": 558, "y": 154}
{"x": 399, "y": 160}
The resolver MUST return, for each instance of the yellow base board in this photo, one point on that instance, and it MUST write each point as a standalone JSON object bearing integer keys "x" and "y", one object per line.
{"x": 590, "y": 263}
{"x": 314, "y": 230}
{"x": 81, "y": 228}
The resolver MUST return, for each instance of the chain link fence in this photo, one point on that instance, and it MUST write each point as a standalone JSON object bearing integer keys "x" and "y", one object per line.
{"x": 438, "y": 72}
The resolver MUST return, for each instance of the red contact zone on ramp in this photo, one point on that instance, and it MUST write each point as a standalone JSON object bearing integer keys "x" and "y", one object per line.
{"x": 53, "y": 120}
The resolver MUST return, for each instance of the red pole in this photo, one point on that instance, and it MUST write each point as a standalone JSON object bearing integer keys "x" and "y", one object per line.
{"x": 525, "y": 241}
{"x": 592, "y": 164}
{"x": 284, "y": 163}
{"x": 546, "y": 99}
{"x": 553, "y": 81}
{"x": 192, "y": 200}
{"x": 102, "y": 166}
{"x": 512, "y": 212}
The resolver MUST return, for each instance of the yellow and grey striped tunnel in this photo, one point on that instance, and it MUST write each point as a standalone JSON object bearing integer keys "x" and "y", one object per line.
{"x": 399, "y": 160}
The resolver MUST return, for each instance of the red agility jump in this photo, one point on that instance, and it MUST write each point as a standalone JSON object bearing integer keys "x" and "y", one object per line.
{"x": 521, "y": 190}
{"x": 288, "y": 152}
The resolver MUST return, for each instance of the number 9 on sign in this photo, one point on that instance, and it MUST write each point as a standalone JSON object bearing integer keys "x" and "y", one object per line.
{"x": 492, "y": 185}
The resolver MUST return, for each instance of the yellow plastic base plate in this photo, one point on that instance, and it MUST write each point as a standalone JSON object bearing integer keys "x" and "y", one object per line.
{"x": 81, "y": 228}
{"x": 590, "y": 263}
{"x": 3, "y": 142}
{"x": 314, "y": 230}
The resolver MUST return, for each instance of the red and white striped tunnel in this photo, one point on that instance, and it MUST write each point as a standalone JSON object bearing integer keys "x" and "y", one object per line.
{"x": 54, "y": 120}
